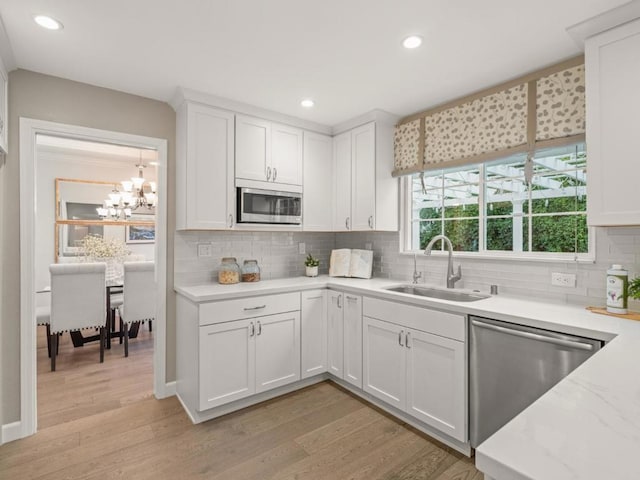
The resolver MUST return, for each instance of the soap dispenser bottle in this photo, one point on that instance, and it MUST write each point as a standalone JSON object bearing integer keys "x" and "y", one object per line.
{"x": 617, "y": 285}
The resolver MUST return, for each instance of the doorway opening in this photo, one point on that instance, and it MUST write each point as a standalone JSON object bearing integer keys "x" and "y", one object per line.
{"x": 53, "y": 157}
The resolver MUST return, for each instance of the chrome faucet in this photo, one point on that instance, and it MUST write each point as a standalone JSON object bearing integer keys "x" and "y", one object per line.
{"x": 452, "y": 278}
{"x": 416, "y": 275}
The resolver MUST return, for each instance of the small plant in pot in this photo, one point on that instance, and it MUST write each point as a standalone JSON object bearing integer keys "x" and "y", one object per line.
{"x": 311, "y": 265}
{"x": 633, "y": 290}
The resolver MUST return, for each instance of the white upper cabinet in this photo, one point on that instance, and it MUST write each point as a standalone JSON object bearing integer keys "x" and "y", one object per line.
{"x": 268, "y": 152}
{"x": 612, "y": 70}
{"x": 253, "y": 148}
{"x": 4, "y": 118}
{"x": 317, "y": 200}
{"x": 286, "y": 154}
{"x": 342, "y": 182}
{"x": 204, "y": 168}
{"x": 365, "y": 193}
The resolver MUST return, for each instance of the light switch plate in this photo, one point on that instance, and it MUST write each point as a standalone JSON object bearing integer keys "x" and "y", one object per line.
{"x": 204, "y": 250}
{"x": 563, "y": 279}
{"x": 302, "y": 248}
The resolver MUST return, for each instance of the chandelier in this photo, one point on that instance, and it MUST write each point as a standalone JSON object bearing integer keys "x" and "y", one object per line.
{"x": 136, "y": 193}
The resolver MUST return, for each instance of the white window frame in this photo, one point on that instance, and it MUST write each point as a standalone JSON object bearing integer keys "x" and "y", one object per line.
{"x": 406, "y": 205}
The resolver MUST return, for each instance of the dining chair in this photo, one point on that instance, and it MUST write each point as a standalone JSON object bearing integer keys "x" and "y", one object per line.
{"x": 139, "y": 297}
{"x": 43, "y": 318}
{"x": 78, "y": 301}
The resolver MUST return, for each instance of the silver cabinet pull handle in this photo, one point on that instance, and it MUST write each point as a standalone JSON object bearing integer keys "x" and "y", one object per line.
{"x": 350, "y": 297}
{"x": 252, "y": 329}
{"x": 259, "y": 328}
{"x": 400, "y": 338}
{"x": 230, "y": 220}
{"x": 268, "y": 173}
{"x": 406, "y": 340}
{"x": 340, "y": 301}
{"x": 314, "y": 298}
{"x": 346, "y": 223}
{"x": 275, "y": 173}
{"x": 371, "y": 222}
{"x": 246, "y": 309}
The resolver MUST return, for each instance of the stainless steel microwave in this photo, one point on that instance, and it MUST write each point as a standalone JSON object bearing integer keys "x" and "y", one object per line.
{"x": 269, "y": 206}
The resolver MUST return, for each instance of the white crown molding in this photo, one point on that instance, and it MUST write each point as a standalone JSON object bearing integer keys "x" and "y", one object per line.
{"x": 605, "y": 21}
{"x": 185, "y": 94}
{"x": 378, "y": 116}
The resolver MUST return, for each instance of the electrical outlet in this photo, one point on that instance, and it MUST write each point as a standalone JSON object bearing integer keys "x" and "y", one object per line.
{"x": 368, "y": 246}
{"x": 204, "y": 250}
{"x": 563, "y": 279}
{"x": 302, "y": 248}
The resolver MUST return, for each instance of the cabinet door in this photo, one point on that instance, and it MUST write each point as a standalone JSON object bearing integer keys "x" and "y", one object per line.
{"x": 277, "y": 350}
{"x": 204, "y": 180}
{"x": 353, "y": 339}
{"x": 384, "y": 361}
{"x": 253, "y": 148}
{"x": 313, "y": 328}
{"x": 436, "y": 382}
{"x": 363, "y": 177}
{"x": 286, "y": 154}
{"x": 227, "y": 363}
{"x": 612, "y": 78}
{"x": 335, "y": 333}
{"x": 317, "y": 206}
{"x": 342, "y": 182}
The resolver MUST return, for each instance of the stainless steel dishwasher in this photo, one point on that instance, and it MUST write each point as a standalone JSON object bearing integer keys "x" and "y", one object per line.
{"x": 511, "y": 366}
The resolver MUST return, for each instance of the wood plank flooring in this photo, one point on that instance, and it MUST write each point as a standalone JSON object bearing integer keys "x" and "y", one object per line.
{"x": 100, "y": 421}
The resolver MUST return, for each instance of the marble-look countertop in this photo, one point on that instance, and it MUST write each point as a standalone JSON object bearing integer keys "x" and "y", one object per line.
{"x": 586, "y": 427}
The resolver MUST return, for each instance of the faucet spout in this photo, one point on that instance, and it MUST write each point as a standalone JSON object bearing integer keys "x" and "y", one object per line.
{"x": 452, "y": 277}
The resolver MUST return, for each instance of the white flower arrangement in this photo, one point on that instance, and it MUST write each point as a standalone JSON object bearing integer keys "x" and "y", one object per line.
{"x": 97, "y": 247}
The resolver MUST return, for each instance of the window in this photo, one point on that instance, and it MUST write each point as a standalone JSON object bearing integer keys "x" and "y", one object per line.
{"x": 532, "y": 208}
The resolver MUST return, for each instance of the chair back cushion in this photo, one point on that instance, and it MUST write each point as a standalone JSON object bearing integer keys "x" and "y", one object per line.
{"x": 78, "y": 296}
{"x": 139, "y": 292}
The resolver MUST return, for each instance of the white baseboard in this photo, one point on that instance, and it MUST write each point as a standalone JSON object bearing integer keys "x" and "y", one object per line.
{"x": 11, "y": 432}
{"x": 168, "y": 390}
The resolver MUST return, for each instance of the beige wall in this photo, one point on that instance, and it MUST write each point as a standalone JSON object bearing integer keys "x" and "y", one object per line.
{"x": 42, "y": 97}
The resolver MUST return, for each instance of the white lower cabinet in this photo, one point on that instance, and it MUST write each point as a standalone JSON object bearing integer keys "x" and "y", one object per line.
{"x": 313, "y": 328}
{"x": 345, "y": 336}
{"x": 227, "y": 360}
{"x": 240, "y": 353}
{"x": 420, "y": 373}
{"x": 436, "y": 382}
{"x": 277, "y": 343}
{"x": 385, "y": 361}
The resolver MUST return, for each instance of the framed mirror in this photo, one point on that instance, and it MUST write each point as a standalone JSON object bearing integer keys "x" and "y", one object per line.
{"x": 76, "y": 217}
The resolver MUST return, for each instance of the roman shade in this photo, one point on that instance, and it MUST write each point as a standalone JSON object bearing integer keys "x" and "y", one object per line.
{"x": 539, "y": 109}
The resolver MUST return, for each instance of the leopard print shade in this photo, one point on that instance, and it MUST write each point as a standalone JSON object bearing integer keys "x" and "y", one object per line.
{"x": 560, "y": 104}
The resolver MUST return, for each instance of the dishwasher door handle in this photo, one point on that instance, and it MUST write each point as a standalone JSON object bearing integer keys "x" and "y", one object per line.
{"x": 534, "y": 336}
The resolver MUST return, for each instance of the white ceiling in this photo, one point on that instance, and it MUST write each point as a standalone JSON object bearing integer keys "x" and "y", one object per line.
{"x": 345, "y": 54}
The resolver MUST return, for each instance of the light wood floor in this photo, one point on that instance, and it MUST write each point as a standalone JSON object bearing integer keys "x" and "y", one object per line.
{"x": 100, "y": 421}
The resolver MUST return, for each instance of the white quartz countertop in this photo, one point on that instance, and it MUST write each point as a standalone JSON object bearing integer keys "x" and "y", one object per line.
{"x": 586, "y": 427}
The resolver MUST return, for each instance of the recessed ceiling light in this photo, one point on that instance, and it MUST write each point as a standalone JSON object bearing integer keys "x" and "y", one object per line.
{"x": 412, "y": 41}
{"x": 307, "y": 103}
{"x": 47, "y": 22}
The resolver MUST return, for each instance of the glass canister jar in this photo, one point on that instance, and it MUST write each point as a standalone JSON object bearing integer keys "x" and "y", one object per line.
{"x": 250, "y": 271}
{"x": 229, "y": 271}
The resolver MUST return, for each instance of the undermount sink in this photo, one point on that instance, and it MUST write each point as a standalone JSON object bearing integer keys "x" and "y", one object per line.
{"x": 453, "y": 295}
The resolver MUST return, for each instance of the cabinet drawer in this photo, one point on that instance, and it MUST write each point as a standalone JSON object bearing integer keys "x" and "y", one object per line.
{"x": 227, "y": 310}
{"x": 450, "y": 325}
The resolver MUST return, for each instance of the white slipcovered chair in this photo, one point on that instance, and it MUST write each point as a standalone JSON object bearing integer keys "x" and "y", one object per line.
{"x": 78, "y": 300}
{"x": 139, "y": 296}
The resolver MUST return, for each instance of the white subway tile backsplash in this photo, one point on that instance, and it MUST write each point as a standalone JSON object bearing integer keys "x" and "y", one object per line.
{"x": 277, "y": 254}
